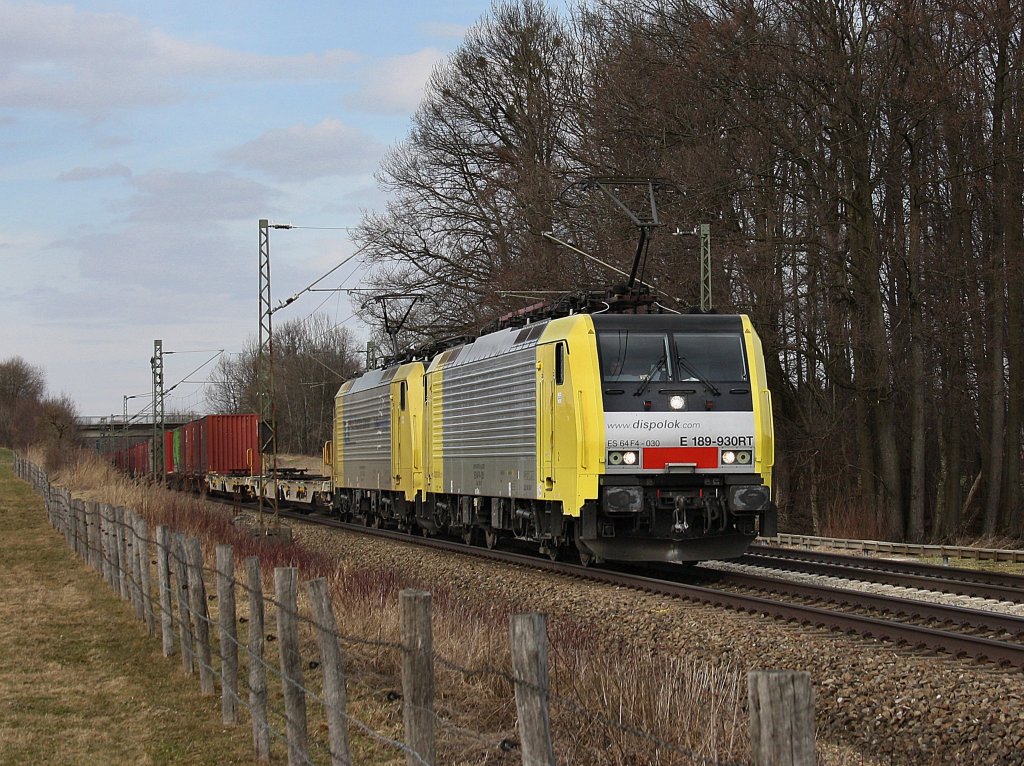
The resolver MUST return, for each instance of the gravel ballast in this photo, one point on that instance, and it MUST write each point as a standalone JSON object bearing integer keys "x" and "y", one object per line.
{"x": 876, "y": 702}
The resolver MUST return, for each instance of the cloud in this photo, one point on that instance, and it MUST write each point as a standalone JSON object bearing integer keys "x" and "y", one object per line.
{"x": 114, "y": 170}
{"x": 195, "y": 199}
{"x": 395, "y": 85}
{"x": 60, "y": 58}
{"x": 179, "y": 233}
{"x": 302, "y": 153}
{"x": 443, "y": 30}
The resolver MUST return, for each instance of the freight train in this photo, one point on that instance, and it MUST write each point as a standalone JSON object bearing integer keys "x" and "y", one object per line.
{"x": 624, "y": 436}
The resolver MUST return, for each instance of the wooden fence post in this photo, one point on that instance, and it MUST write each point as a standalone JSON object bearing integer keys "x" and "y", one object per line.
{"x": 83, "y": 530}
{"x": 65, "y": 518}
{"x": 163, "y": 576}
{"x": 286, "y": 592}
{"x": 333, "y": 666}
{"x": 530, "y": 668}
{"x": 257, "y": 673}
{"x": 781, "y": 717}
{"x": 105, "y": 541}
{"x": 72, "y": 532}
{"x": 226, "y": 614}
{"x": 201, "y": 616}
{"x": 79, "y": 508}
{"x": 142, "y": 535}
{"x": 182, "y": 597}
{"x": 93, "y": 537}
{"x": 135, "y": 565}
{"x": 416, "y": 631}
{"x": 55, "y": 505}
{"x": 122, "y": 552}
{"x": 114, "y": 545}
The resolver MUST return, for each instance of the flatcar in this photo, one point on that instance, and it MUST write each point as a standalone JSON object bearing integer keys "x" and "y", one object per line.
{"x": 629, "y": 437}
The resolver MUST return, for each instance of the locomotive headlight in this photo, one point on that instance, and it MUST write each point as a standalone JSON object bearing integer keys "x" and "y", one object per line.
{"x": 677, "y": 402}
{"x": 728, "y": 457}
{"x": 743, "y": 457}
{"x": 615, "y": 458}
{"x": 630, "y": 458}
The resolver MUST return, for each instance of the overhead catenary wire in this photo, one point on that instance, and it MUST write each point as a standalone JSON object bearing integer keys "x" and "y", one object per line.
{"x": 193, "y": 372}
{"x": 185, "y": 379}
{"x": 550, "y": 236}
{"x": 309, "y": 287}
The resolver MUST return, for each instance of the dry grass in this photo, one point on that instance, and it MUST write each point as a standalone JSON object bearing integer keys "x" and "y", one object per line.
{"x": 603, "y": 695}
{"x": 80, "y": 683}
{"x": 855, "y": 522}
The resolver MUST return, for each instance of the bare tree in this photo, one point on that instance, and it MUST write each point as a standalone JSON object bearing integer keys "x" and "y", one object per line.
{"x": 475, "y": 184}
{"x": 312, "y": 358}
{"x": 22, "y": 385}
{"x": 28, "y": 417}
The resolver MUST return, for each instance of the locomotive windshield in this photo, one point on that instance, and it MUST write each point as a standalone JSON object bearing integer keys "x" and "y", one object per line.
{"x": 633, "y": 356}
{"x": 644, "y": 356}
{"x": 712, "y": 356}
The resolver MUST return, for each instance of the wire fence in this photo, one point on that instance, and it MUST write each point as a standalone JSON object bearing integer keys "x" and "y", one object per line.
{"x": 311, "y": 720}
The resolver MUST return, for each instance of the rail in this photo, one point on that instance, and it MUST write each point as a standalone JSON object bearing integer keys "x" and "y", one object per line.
{"x": 900, "y": 549}
{"x": 956, "y": 644}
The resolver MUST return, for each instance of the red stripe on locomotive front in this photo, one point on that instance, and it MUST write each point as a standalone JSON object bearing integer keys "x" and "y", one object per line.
{"x": 701, "y": 457}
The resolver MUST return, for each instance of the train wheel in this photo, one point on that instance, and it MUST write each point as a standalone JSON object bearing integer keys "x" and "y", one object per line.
{"x": 586, "y": 559}
{"x": 490, "y": 539}
{"x": 469, "y": 536}
{"x": 554, "y": 552}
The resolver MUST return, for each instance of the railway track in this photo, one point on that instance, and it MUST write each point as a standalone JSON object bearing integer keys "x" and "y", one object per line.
{"x": 979, "y": 621}
{"x": 999, "y": 586}
{"x": 956, "y": 631}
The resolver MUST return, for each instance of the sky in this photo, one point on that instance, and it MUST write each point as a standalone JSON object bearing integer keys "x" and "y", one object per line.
{"x": 140, "y": 144}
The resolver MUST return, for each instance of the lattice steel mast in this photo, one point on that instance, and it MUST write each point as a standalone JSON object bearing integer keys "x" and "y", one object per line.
{"x": 157, "y": 365}
{"x": 705, "y": 267}
{"x": 265, "y": 370}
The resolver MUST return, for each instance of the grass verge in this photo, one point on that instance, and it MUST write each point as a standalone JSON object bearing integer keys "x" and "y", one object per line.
{"x": 80, "y": 682}
{"x": 607, "y": 691}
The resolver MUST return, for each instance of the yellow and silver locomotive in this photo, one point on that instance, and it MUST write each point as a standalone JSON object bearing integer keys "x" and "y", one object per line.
{"x": 631, "y": 437}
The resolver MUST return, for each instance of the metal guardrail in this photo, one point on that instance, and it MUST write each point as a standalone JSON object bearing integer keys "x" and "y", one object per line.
{"x": 900, "y": 549}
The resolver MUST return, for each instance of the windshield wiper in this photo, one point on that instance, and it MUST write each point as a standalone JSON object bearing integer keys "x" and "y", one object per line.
{"x": 650, "y": 375}
{"x": 694, "y": 372}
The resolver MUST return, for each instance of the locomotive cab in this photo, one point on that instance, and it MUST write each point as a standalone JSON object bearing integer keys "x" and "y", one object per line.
{"x": 688, "y": 439}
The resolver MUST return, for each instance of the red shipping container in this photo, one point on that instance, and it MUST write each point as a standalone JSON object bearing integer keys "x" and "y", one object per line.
{"x": 189, "y": 455}
{"x": 228, "y": 444}
{"x": 168, "y": 452}
{"x": 140, "y": 461}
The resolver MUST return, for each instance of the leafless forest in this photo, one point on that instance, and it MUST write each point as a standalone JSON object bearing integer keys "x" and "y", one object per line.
{"x": 30, "y": 415}
{"x": 312, "y": 358}
{"x": 860, "y": 165}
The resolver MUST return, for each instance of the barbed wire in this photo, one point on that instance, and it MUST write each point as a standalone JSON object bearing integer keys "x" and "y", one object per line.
{"x": 177, "y": 557}
{"x": 174, "y": 556}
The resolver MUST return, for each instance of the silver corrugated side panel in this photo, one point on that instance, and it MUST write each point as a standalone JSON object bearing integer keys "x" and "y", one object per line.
{"x": 366, "y": 424}
{"x": 490, "y": 426}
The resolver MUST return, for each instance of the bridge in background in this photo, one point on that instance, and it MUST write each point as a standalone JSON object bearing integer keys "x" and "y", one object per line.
{"x": 109, "y": 433}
